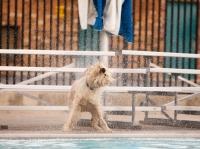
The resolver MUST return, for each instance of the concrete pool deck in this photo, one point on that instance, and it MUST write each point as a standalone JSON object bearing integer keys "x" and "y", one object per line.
{"x": 48, "y": 124}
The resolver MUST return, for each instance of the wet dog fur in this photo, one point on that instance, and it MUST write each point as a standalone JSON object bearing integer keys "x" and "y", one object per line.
{"x": 85, "y": 95}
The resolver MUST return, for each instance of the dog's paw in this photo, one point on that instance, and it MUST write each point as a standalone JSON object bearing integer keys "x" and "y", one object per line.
{"x": 97, "y": 128}
{"x": 109, "y": 131}
{"x": 65, "y": 129}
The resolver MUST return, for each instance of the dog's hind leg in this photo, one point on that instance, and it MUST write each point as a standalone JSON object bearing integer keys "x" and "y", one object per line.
{"x": 73, "y": 117}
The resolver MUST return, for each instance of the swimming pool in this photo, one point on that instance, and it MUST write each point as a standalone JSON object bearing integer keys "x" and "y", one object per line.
{"x": 101, "y": 144}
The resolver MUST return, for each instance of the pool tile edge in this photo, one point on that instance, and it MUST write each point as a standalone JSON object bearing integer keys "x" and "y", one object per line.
{"x": 95, "y": 136}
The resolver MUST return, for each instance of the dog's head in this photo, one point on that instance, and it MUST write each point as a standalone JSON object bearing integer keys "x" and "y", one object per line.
{"x": 98, "y": 75}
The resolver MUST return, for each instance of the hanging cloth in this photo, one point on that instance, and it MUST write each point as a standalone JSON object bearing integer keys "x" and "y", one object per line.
{"x": 113, "y": 16}
{"x": 126, "y": 26}
{"x": 99, "y": 5}
{"x": 87, "y": 13}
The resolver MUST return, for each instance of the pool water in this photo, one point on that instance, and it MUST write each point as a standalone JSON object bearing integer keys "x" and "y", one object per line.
{"x": 101, "y": 144}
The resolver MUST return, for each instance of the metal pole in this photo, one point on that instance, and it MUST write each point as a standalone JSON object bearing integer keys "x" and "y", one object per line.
{"x": 104, "y": 46}
{"x": 175, "y": 96}
{"x": 147, "y": 84}
{"x": 133, "y": 108}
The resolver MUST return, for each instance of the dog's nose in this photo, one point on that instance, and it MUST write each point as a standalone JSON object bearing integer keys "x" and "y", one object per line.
{"x": 103, "y": 70}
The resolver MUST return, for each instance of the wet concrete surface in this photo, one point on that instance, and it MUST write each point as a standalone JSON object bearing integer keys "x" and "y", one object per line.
{"x": 48, "y": 124}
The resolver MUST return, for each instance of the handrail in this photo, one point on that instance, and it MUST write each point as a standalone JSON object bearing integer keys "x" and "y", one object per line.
{"x": 57, "y": 52}
{"x": 115, "y": 70}
{"x": 165, "y": 54}
{"x": 56, "y": 69}
{"x": 179, "y": 77}
{"x": 107, "y": 89}
{"x": 105, "y": 108}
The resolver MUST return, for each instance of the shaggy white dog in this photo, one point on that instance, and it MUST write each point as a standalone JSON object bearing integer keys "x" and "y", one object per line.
{"x": 85, "y": 95}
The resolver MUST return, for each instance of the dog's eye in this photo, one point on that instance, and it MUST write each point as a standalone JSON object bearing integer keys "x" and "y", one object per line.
{"x": 102, "y": 70}
{"x": 104, "y": 74}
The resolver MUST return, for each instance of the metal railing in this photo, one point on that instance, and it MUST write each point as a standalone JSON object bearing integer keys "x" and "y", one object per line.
{"x": 163, "y": 25}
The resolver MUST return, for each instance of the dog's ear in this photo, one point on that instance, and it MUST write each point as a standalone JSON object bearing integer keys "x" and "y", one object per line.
{"x": 87, "y": 71}
{"x": 102, "y": 70}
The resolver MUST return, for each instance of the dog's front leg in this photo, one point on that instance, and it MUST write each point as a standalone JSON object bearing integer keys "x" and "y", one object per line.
{"x": 103, "y": 124}
{"x": 95, "y": 121}
{"x": 74, "y": 114}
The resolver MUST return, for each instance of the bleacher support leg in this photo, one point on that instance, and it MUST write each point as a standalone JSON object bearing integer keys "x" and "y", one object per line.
{"x": 133, "y": 107}
{"x": 147, "y": 77}
{"x": 175, "y": 96}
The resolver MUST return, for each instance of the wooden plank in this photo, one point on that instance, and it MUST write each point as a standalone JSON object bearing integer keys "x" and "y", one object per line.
{"x": 191, "y": 89}
{"x": 143, "y": 89}
{"x": 183, "y": 108}
{"x": 173, "y": 70}
{"x": 117, "y": 108}
{"x": 34, "y": 90}
{"x": 57, "y": 52}
{"x": 66, "y": 108}
{"x": 179, "y": 77}
{"x": 107, "y": 89}
{"x": 183, "y": 99}
{"x": 121, "y": 70}
{"x": 147, "y": 108}
{"x": 114, "y": 70}
{"x": 56, "y": 69}
{"x": 34, "y": 108}
{"x": 128, "y": 108}
{"x": 36, "y": 87}
{"x": 105, "y": 108}
{"x": 165, "y": 54}
{"x": 39, "y": 77}
{"x": 41, "y": 69}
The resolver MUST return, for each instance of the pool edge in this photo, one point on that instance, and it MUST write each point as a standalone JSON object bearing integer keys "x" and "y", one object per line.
{"x": 96, "y": 136}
